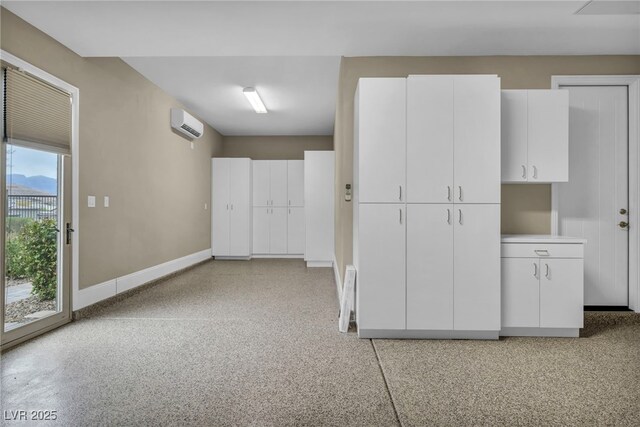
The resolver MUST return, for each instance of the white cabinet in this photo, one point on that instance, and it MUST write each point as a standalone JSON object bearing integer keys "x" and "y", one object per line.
{"x": 381, "y": 267}
{"x": 270, "y": 183}
{"x": 319, "y": 189}
{"x": 295, "y": 231}
{"x": 380, "y": 132}
{"x": 279, "y": 195}
{"x": 453, "y": 139}
{"x": 269, "y": 231}
{"x": 535, "y": 136}
{"x": 231, "y": 207}
{"x": 295, "y": 182}
{"x": 542, "y": 286}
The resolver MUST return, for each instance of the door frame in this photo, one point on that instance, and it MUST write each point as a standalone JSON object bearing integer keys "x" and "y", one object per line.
{"x": 633, "y": 85}
{"x": 74, "y": 92}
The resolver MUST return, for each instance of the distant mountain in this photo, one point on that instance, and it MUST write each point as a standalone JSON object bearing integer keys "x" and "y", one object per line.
{"x": 39, "y": 182}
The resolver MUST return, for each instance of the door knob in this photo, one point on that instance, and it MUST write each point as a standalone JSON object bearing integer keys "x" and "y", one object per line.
{"x": 623, "y": 224}
{"x": 623, "y": 211}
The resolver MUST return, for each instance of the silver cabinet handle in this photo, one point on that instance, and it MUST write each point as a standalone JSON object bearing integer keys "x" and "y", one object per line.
{"x": 460, "y": 216}
{"x": 289, "y": 202}
{"x": 535, "y": 172}
{"x": 460, "y": 190}
{"x": 448, "y": 192}
{"x": 448, "y": 216}
{"x": 400, "y": 212}
{"x": 524, "y": 171}
{"x": 227, "y": 206}
{"x": 535, "y": 270}
{"x": 546, "y": 274}
{"x": 400, "y": 192}
{"x": 231, "y": 206}
{"x": 289, "y": 211}
{"x": 541, "y": 252}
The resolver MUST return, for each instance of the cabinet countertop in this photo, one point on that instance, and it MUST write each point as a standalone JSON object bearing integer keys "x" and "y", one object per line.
{"x": 540, "y": 238}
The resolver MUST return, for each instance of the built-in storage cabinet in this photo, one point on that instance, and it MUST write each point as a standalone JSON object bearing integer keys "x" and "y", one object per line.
{"x": 278, "y": 207}
{"x": 542, "y": 288}
{"x": 231, "y": 207}
{"x": 535, "y": 136}
{"x": 453, "y": 139}
{"x": 427, "y": 252}
{"x": 319, "y": 199}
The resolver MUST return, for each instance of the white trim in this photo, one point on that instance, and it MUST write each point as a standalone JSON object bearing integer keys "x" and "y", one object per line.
{"x": 150, "y": 274}
{"x": 96, "y": 293}
{"x": 415, "y": 334}
{"x": 74, "y": 92}
{"x": 336, "y": 275}
{"x": 540, "y": 332}
{"x": 633, "y": 83}
{"x": 314, "y": 264}
{"x": 278, "y": 256}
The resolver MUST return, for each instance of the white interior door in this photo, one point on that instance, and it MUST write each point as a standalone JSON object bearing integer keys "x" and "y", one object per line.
{"x": 590, "y": 205}
{"x": 430, "y": 139}
{"x": 430, "y": 266}
{"x": 279, "y": 195}
{"x": 295, "y": 182}
{"x": 261, "y": 220}
{"x": 220, "y": 207}
{"x": 240, "y": 207}
{"x": 295, "y": 230}
{"x": 261, "y": 182}
{"x": 278, "y": 231}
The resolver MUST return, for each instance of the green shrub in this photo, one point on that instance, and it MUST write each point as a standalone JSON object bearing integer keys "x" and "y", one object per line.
{"x": 39, "y": 240}
{"x": 15, "y": 224}
{"x": 15, "y": 267}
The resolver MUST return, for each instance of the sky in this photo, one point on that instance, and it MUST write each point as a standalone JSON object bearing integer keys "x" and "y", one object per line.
{"x": 28, "y": 162}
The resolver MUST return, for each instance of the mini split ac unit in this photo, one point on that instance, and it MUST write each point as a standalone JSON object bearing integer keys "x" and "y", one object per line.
{"x": 185, "y": 123}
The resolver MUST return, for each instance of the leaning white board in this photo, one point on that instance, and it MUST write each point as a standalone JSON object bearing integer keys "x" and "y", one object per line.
{"x": 346, "y": 305}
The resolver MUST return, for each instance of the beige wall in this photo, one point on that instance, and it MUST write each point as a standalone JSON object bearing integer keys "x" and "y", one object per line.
{"x": 525, "y": 208}
{"x": 274, "y": 147}
{"x": 157, "y": 184}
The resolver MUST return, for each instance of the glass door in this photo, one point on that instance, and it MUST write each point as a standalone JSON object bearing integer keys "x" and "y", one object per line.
{"x": 36, "y": 241}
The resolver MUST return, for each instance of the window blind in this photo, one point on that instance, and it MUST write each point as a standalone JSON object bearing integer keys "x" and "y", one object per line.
{"x": 36, "y": 113}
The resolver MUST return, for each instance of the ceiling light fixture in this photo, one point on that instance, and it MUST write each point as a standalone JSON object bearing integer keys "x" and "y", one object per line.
{"x": 254, "y": 100}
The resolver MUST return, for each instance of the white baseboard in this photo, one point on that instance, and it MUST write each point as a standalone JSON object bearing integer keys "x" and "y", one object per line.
{"x": 278, "y": 256}
{"x": 313, "y": 264}
{"x": 99, "y": 292}
{"x": 336, "y": 274}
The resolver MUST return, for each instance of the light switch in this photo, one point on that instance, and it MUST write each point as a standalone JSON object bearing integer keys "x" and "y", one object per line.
{"x": 91, "y": 201}
{"x": 205, "y": 206}
{"x": 192, "y": 145}
{"x": 106, "y": 201}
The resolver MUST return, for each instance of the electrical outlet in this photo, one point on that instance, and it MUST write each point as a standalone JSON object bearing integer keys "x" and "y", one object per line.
{"x": 106, "y": 201}
{"x": 91, "y": 201}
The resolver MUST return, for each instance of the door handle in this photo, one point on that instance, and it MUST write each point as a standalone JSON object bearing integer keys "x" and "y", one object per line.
{"x": 231, "y": 206}
{"x": 448, "y": 216}
{"x": 227, "y": 206}
{"x": 546, "y": 274}
{"x": 535, "y": 270}
{"x": 460, "y": 216}
{"x": 400, "y": 192}
{"x": 460, "y": 192}
{"x": 535, "y": 172}
{"x": 400, "y": 212}
{"x": 524, "y": 171}
{"x": 448, "y": 192}
{"x": 541, "y": 252}
{"x": 623, "y": 224}
{"x": 69, "y": 231}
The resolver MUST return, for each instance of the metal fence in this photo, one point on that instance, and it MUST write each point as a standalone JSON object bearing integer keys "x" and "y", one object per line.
{"x": 35, "y": 207}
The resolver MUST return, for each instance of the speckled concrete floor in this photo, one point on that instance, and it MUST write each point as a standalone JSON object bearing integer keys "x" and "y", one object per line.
{"x": 256, "y": 343}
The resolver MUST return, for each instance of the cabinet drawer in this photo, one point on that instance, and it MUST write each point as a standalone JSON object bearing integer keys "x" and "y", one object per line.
{"x": 542, "y": 250}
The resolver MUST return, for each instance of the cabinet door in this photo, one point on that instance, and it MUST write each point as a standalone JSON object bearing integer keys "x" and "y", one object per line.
{"x": 548, "y": 135}
{"x": 261, "y": 181}
{"x": 295, "y": 230}
{"x": 278, "y": 231}
{"x": 279, "y": 183}
{"x": 261, "y": 221}
{"x": 520, "y": 292}
{"x": 514, "y": 135}
{"x": 429, "y": 139}
{"x": 295, "y": 182}
{"x": 240, "y": 207}
{"x": 319, "y": 187}
{"x": 380, "y": 284}
{"x": 561, "y": 293}
{"x": 476, "y": 286}
{"x": 476, "y": 106}
{"x": 430, "y": 266}
{"x": 381, "y": 134}
{"x": 220, "y": 207}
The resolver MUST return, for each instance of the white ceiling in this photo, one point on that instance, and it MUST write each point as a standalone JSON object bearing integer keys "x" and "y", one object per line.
{"x": 290, "y": 50}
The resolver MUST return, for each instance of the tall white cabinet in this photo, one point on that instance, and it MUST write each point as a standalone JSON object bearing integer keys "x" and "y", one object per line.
{"x": 278, "y": 208}
{"x": 427, "y": 206}
{"x": 231, "y": 207}
{"x": 319, "y": 190}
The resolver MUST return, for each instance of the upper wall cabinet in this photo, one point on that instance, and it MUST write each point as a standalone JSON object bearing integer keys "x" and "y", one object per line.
{"x": 270, "y": 183}
{"x": 295, "y": 182}
{"x": 535, "y": 136}
{"x": 380, "y": 130}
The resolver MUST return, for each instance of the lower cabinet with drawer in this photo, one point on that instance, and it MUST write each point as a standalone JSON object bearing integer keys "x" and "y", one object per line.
{"x": 542, "y": 287}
